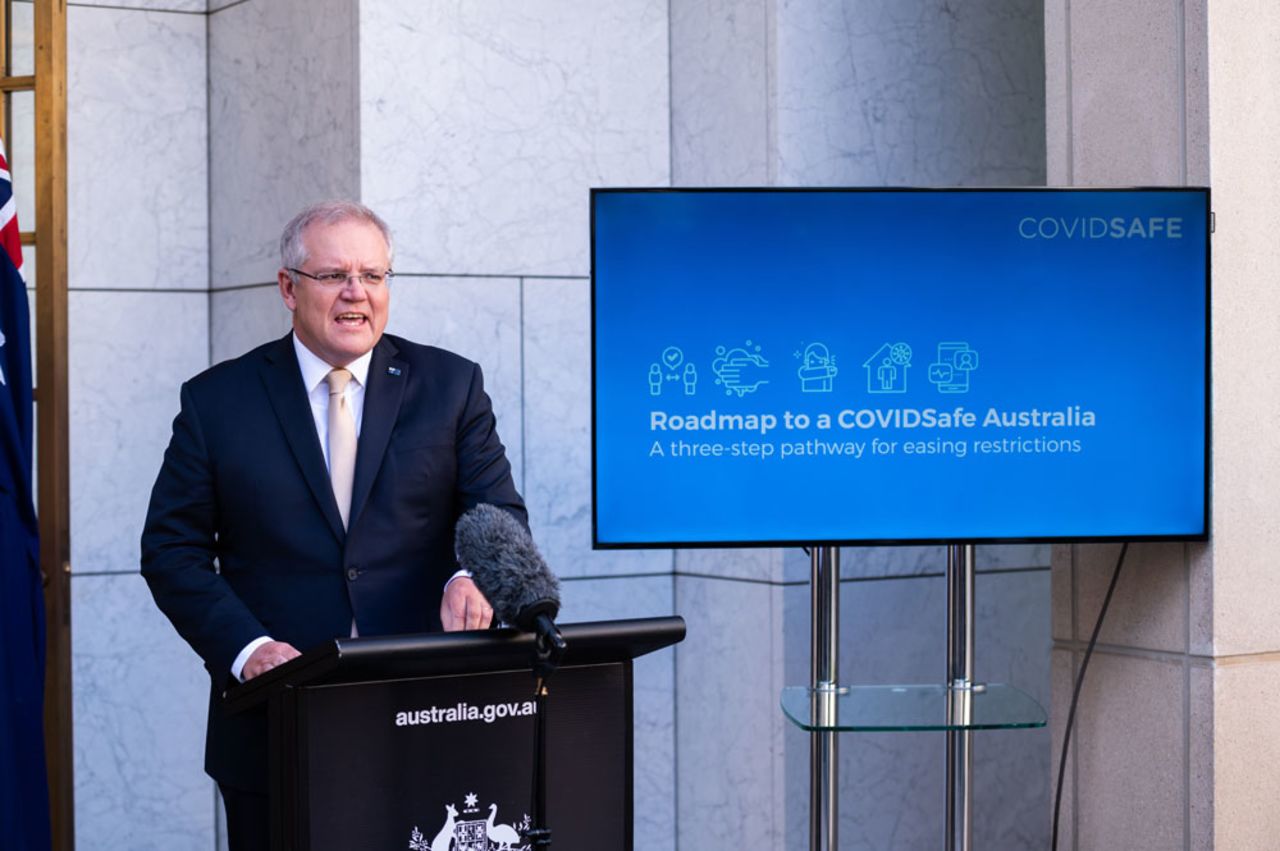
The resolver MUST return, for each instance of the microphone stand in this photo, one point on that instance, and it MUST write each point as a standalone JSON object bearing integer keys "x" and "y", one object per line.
{"x": 550, "y": 648}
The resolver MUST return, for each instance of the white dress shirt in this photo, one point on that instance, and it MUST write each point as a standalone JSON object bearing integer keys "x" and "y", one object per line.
{"x": 314, "y": 370}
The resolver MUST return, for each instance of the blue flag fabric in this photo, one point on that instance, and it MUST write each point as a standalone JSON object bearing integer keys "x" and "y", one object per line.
{"x": 24, "y": 791}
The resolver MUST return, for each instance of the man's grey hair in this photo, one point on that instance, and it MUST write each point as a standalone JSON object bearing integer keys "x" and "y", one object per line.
{"x": 293, "y": 251}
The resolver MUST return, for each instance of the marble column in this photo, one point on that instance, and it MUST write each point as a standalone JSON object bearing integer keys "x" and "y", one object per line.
{"x": 137, "y": 152}
{"x": 1172, "y": 747}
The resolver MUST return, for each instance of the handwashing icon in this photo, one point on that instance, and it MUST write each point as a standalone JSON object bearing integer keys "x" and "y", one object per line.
{"x": 733, "y": 368}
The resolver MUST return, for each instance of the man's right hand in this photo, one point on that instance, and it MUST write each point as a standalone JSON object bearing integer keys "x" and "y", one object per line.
{"x": 268, "y": 656}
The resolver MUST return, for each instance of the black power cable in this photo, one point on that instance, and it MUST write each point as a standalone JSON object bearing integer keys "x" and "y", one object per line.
{"x": 1075, "y": 696}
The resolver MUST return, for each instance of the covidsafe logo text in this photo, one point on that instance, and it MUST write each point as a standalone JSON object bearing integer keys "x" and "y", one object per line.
{"x": 1098, "y": 227}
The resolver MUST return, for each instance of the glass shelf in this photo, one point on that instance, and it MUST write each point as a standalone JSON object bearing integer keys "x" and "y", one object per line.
{"x": 892, "y": 708}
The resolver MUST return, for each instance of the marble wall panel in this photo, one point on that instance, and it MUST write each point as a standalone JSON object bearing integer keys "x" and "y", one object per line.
{"x": 1200, "y": 775}
{"x": 1246, "y": 749}
{"x": 137, "y": 149}
{"x": 193, "y": 7}
{"x": 1012, "y": 556}
{"x": 720, "y": 98}
{"x": 1129, "y": 132}
{"x": 128, "y": 354}
{"x": 484, "y": 124}
{"x": 21, "y": 34}
{"x": 1057, "y": 86}
{"x": 1062, "y": 672}
{"x": 1200, "y": 592}
{"x": 1062, "y": 603}
{"x": 1149, "y": 606}
{"x": 1130, "y": 752}
{"x": 19, "y": 144}
{"x": 1195, "y": 45}
{"x": 557, "y": 411}
{"x": 873, "y": 562}
{"x": 243, "y": 319}
{"x": 756, "y": 563}
{"x": 139, "y": 705}
{"x": 283, "y": 118}
{"x": 654, "y": 678}
{"x": 1012, "y": 768}
{"x": 1245, "y": 127}
{"x": 478, "y": 318}
{"x": 729, "y": 729}
{"x": 885, "y": 92}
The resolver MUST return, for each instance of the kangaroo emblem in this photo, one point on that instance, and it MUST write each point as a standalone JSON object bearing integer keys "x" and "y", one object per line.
{"x": 445, "y": 837}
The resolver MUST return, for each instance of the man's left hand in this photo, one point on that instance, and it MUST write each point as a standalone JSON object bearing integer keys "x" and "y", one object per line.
{"x": 464, "y": 607}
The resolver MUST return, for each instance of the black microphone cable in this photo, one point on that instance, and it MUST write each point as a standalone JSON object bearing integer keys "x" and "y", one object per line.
{"x": 1075, "y": 695}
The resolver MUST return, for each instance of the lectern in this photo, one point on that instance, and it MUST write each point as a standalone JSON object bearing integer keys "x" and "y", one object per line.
{"x": 426, "y": 741}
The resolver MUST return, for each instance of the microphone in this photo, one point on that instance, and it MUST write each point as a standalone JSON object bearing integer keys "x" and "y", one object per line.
{"x": 510, "y": 572}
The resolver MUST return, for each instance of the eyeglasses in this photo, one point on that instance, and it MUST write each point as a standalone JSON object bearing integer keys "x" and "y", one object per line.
{"x": 339, "y": 279}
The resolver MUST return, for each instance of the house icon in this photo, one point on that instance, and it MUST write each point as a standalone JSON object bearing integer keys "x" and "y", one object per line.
{"x": 887, "y": 368}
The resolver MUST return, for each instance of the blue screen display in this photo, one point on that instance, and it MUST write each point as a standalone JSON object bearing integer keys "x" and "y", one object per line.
{"x": 782, "y": 366}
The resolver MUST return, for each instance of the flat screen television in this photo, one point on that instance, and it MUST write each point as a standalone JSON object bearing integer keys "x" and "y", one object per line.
{"x": 897, "y": 366}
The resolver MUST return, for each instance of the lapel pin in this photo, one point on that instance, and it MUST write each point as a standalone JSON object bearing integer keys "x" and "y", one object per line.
{"x": 393, "y": 370}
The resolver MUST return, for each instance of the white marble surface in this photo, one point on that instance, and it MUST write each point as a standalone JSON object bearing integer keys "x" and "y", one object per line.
{"x": 729, "y": 734}
{"x": 243, "y": 319}
{"x": 1195, "y": 45}
{"x": 282, "y": 119}
{"x": 1131, "y": 755}
{"x": 1245, "y": 128}
{"x": 1149, "y": 607}
{"x": 483, "y": 124}
{"x": 137, "y": 149}
{"x": 189, "y": 6}
{"x": 21, "y": 38}
{"x": 478, "y": 318}
{"x": 720, "y": 97}
{"x": 20, "y": 143}
{"x": 757, "y": 563}
{"x": 557, "y": 411}
{"x": 129, "y": 353}
{"x": 876, "y": 92}
{"x": 654, "y": 705}
{"x": 1127, "y": 99}
{"x": 140, "y": 698}
{"x": 1057, "y": 86}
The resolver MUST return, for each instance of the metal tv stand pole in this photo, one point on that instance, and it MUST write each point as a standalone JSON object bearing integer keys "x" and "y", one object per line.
{"x": 824, "y": 671}
{"x": 960, "y": 691}
{"x": 824, "y": 650}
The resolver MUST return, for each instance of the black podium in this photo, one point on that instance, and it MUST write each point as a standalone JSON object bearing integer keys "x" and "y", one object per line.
{"x": 414, "y": 741}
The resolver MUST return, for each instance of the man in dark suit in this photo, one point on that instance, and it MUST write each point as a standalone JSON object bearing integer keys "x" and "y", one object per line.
{"x": 311, "y": 488}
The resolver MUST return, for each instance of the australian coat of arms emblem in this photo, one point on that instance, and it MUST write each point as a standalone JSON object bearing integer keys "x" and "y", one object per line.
{"x": 467, "y": 831}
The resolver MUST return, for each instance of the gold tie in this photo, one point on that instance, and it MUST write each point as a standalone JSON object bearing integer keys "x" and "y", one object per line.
{"x": 342, "y": 442}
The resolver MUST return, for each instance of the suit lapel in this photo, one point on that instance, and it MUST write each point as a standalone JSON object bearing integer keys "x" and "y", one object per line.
{"x": 288, "y": 397}
{"x": 388, "y": 376}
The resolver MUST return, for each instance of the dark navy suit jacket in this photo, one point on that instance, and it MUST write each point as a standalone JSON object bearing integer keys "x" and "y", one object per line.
{"x": 244, "y": 482}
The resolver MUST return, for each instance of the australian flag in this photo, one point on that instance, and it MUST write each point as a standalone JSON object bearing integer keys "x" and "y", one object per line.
{"x": 24, "y": 793}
